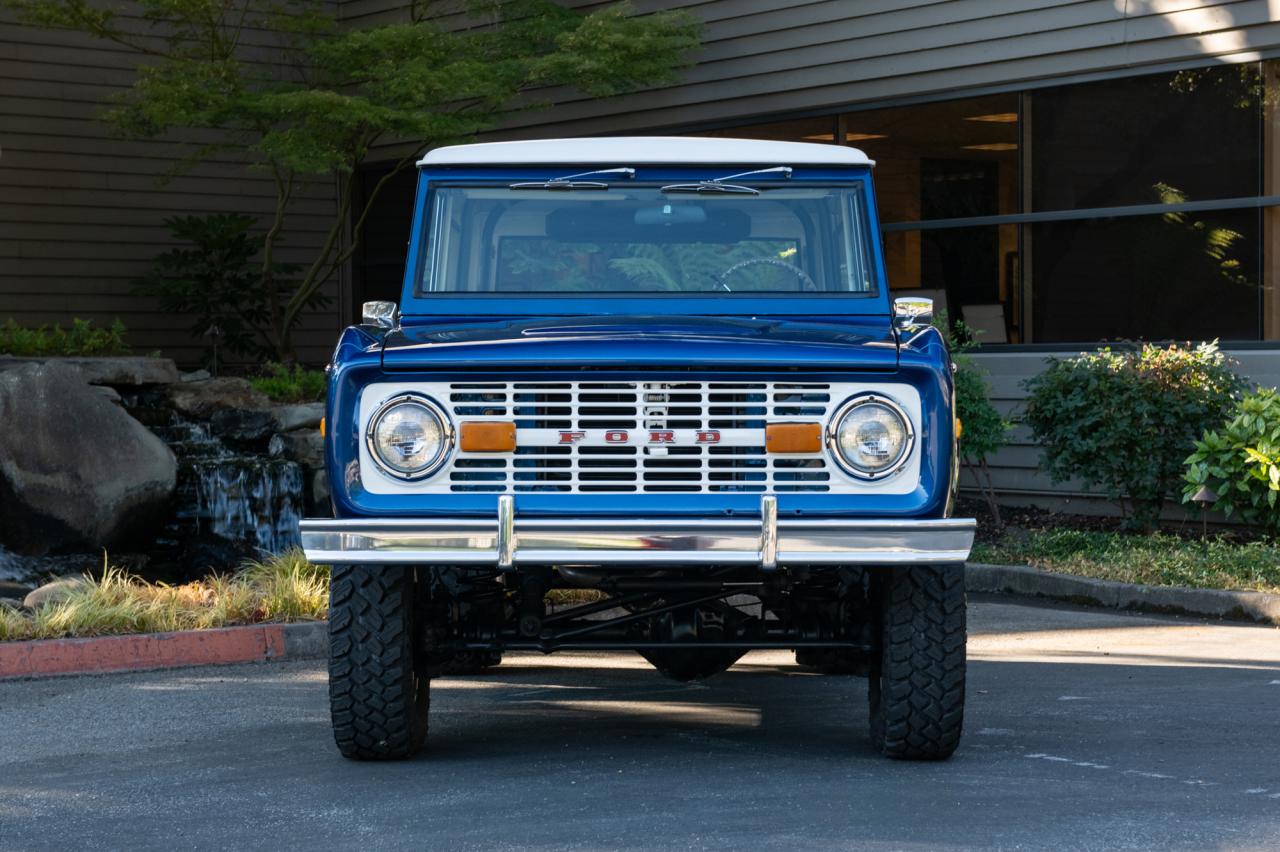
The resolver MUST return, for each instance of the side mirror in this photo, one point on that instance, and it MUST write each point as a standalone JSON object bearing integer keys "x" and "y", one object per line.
{"x": 380, "y": 314}
{"x": 912, "y": 312}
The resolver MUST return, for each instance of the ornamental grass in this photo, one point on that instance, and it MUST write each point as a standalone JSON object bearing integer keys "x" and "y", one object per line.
{"x": 279, "y": 588}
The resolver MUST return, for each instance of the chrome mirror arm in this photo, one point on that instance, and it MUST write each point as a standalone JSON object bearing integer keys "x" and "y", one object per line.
{"x": 380, "y": 314}
{"x": 912, "y": 312}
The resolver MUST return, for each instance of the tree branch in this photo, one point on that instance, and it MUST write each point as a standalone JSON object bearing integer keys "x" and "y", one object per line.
{"x": 266, "y": 277}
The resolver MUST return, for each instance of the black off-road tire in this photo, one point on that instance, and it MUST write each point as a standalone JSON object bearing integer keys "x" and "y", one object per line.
{"x": 917, "y": 680}
{"x": 378, "y": 695}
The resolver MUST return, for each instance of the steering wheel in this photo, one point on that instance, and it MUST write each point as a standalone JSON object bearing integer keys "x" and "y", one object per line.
{"x": 809, "y": 283}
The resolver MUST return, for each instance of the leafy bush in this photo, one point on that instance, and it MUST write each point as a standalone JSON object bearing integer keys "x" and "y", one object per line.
{"x": 983, "y": 430}
{"x": 1240, "y": 462}
{"x": 81, "y": 339}
{"x": 219, "y": 282}
{"x": 290, "y": 384}
{"x": 1123, "y": 422}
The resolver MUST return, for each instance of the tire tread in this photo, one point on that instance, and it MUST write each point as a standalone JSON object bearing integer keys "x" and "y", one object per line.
{"x": 377, "y": 700}
{"x": 918, "y": 702}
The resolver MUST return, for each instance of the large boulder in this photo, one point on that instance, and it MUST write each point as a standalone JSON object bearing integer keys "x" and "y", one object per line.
{"x": 53, "y": 592}
{"x": 304, "y": 446}
{"x": 115, "y": 370}
{"x": 243, "y": 425}
{"x": 250, "y": 424}
{"x": 201, "y": 400}
{"x": 76, "y": 471}
{"x": 307, "y": 415}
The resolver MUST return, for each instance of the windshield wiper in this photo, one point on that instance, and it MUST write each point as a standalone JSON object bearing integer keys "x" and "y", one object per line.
{"x": 569, "y": 182}
{"x": 719, "y": 185}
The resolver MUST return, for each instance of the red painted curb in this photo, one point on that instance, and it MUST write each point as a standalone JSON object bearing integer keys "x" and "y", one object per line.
{"x": 142, "y": 651}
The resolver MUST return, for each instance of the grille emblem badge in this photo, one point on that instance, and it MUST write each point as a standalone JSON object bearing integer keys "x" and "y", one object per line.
{"x": 650, "y": 436}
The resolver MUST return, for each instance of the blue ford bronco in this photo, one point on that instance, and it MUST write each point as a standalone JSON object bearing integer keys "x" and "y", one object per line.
{"x": 664, "y": 373}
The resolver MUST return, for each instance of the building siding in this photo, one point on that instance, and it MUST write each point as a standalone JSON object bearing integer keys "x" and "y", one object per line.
{"x": 82, "y": 212}
{"x": 789, "y": 56}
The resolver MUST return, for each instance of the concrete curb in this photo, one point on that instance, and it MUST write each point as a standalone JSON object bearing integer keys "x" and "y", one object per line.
{"x": 140, "y": 652}
{"x": 1031, "y": 582}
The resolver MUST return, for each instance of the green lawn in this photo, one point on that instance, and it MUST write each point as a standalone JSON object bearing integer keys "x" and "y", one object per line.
{"x": 1158, "y": 559}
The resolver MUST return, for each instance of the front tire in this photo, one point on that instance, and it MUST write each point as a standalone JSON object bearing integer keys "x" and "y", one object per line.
{"x": 378, "y": 691}
{"x": 917, "y": 683}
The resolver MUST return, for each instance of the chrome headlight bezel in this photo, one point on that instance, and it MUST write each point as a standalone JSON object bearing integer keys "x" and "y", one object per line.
{"x": 442, "y": 453}
{"x": 833, "y": 437}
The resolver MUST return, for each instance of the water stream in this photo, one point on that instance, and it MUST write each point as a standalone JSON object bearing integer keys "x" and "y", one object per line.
{"x": 250, "y": 501}
{"x": 230, "y": 503}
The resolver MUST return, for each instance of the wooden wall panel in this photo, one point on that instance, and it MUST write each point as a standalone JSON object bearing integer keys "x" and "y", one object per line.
{"x": 794, "y": 56}
{"x": 82, "y": 211}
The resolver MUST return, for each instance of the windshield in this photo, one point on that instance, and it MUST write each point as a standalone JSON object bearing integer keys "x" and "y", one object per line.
{"x": 640, "y": 239}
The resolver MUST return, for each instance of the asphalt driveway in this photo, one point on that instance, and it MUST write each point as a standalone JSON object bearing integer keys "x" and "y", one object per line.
{"x": 1084, "y": 730}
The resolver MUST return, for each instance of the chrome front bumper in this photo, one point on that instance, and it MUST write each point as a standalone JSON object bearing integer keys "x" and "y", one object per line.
{"x": 510, "y": 542}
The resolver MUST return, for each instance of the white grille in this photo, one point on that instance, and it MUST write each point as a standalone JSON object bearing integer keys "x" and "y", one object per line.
{"x": 542, "y": 410}
{"x": 736, "y": 412}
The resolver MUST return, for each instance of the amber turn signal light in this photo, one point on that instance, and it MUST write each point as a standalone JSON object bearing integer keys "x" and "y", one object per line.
{"x": 487, "y": 437}
{"x": 321, "y": 427}
{"x": 793, "y": 437}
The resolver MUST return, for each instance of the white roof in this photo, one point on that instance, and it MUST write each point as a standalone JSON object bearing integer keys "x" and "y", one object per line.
{"x": 646, "y": 150}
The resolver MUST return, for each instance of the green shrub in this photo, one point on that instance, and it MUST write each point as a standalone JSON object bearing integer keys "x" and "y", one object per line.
{"x": 290, "y": 384}
{"x": 983, "y": 430}
{"x": 1123, "y": 422}
{"x": 81, "y": 339}
{"x": 1240, "y": 462}
{"x": 220, "y": 282}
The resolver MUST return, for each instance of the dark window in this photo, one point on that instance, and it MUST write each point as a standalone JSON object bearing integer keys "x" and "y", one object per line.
{"x": 1120, "y": 141}
{"x": 377, "y": 266}
{"x": 1166, "y": 138}
{"x": 949, "y": 160}
{"x": 941, "y": 160}
{"x": 1190, "y": 276}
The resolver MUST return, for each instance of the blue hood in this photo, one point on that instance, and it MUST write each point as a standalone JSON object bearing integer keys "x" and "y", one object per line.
{"x": 810, "y": 343}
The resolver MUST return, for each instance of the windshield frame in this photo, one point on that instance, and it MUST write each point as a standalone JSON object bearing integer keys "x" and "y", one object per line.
{"x": 415, "y": 302}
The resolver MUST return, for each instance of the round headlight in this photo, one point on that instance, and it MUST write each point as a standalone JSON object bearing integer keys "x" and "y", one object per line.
{"x": 409, "y": 437}
{"x": 871, "y": 436}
